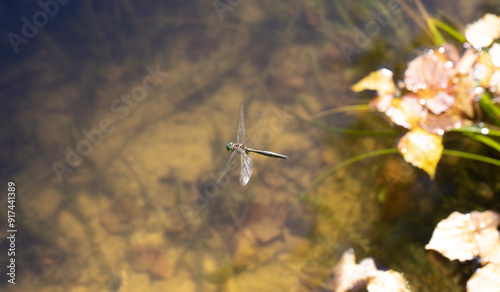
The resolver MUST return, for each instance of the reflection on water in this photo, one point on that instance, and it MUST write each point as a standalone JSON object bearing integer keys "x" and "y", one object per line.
{"x": 121, "y": 115}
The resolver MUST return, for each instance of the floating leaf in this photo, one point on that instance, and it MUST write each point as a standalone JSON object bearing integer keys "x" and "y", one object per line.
{"x": 453, "y": 238}
{"x": 429, "y": 73}
{"x": 488, "y": 244}
{"x": 486, "y": 278}
{"x": 494, "y": 52}
{"x": 495, "y": 83}
{"x": 483, "y": 69}
{"x": 438, "y": 124}
{"x": 421, "y": 149}
{"x": 382, "y": 102}
{"x": 380, "y": 80}
{"x": 487, "y": 235}
{"x": 483, "y": 32}
{"x": 388, "y": 281}
{"x": 440, "y": 103}
{"x": 486, "y": 219}
{"x": 465, "y": 236}
{"x": 406, "y": 111}
{"x": 464, "y": 66}
{"x": 465, "y": 95}
{"x": 348, "y": 275}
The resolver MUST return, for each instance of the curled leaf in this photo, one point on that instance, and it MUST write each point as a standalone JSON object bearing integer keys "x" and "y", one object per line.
{"x": 465, "y": 95}
{"x": 406, "y": 112}
{"x": 453, "y": 238}
{"x": 486, "y": 219}
{"x": 483, "y": 32}
{"x": 486, "y": 278}
{"x": 483, "y": 69}
{"x": 495, "y": 82}
{"x": 428, "y": 74}
{"x": 438, "y": 124}
{"x": 487, "y": 236}
{"x": 464, "y": 65}
{"x": 380, "y": 80}
{"x": 348, "y": 275}
{"x": 488, "y": 245}
{"x": 388, "y": 281}
{"x": 465, "y": 236}
{"x": 382, "y": 102}
{"x": 440, "y": 103}
{"x": 421, "y": 149}
{"x": 494, "y": 52}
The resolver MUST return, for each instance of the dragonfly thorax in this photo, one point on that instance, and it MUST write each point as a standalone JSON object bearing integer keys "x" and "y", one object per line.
{"x": 239, "y": 148}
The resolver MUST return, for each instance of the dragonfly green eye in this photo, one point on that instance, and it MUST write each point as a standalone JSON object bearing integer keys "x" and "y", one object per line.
{"x": 228, "y": 146}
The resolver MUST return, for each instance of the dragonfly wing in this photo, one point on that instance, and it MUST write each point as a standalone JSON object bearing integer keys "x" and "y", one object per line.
{"x": 227, "y": 168}
{"x": 246, "y": 169}
{"x": 240, "y": 136}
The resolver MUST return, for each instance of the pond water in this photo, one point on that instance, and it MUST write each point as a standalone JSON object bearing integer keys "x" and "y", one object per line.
{"x": 115, "y": 121}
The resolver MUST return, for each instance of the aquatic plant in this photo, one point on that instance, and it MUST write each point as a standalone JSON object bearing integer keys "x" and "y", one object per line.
{"x": 439, "y": 93}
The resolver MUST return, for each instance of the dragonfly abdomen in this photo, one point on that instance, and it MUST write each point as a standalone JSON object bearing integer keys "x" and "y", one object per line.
{"x": 266, "y": 153}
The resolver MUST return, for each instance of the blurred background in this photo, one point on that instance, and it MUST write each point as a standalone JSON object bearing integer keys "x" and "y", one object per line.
{"x": 115, "y": 116}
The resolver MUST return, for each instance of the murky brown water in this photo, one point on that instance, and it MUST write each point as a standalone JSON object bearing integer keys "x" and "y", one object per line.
{"x": 116, "y": 118}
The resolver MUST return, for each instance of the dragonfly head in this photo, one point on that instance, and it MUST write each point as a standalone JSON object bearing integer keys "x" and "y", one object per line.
{"x": 229, "y": 146}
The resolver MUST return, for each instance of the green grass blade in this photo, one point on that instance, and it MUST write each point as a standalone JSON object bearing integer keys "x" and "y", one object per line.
{"x": 485, "y": 140}
{"x": 490, "y": 108}
{"x": 481, "y": 134}
{"x": 476, "y": 129}
{"x": 438, "y": 39}
{"x": 450, "y": 30}
{"x": 336, "y": 167}
{"x": 472, "y": 156}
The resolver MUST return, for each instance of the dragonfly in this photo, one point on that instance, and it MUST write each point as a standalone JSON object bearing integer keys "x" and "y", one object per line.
{"x": 240, "y": 148}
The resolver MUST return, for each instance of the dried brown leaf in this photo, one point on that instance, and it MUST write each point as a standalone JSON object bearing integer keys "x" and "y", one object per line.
{"x": 440, "y": 103}
{"x": 483, "y": 69}
{"x": 382, "y": 102}
{"x": 421, "y": 149}
{"x": 428, "y": 74}
{"x": 488, "y": 244}
{"x": 406, "y": 111}
{"x": 438, "y": 124}
{"x": 465, "y": 236}
{"x": 464, "y": 66}
{"x": 494, "y": 52}
{"x": 487, "y": 235}
{"x": 465, "y": 95}
{"x": 484, "y": 31}
{"x": 454, "y": 238}
{"x": 484, "y": 279}
{"x": 380, "y": 80}
{"x": 388, "y": 281}
{"x": 486, "y": 219}
{"x": 348, "y": 275}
